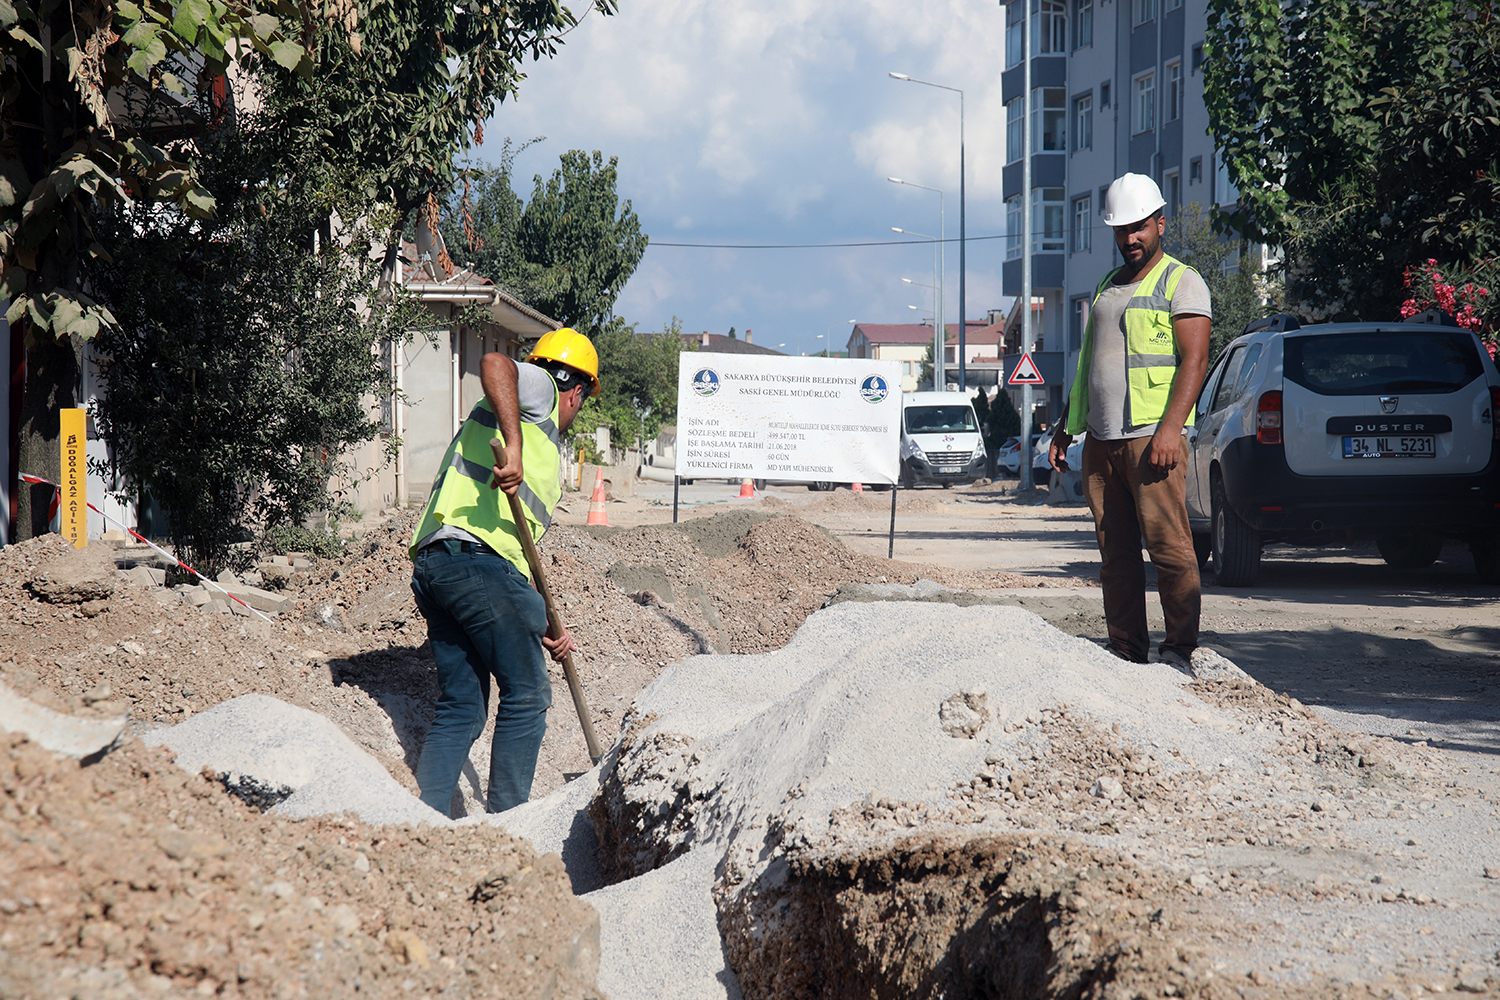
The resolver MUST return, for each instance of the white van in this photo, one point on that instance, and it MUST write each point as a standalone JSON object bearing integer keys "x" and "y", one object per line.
{"x": 940, "y": 439}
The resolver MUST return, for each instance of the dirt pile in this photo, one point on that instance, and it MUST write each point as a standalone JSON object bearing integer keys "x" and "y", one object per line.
{"x": 131, "y": 878}
{"x": 1105, "y": 830}
{"x": 128, "y": 877}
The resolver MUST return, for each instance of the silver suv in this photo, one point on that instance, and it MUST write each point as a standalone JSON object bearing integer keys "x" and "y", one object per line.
{"x": 1345, "y": 432}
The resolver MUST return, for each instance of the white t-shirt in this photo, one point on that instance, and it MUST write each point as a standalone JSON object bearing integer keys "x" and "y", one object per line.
{"x": 1106, "y": 374}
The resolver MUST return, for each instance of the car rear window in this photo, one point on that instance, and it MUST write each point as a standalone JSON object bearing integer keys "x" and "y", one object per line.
{"x": 1360, "y": 364}
{"x": 939, "y": 419}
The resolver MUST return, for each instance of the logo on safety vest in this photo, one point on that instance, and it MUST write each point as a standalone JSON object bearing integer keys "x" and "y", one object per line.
{"x": 873, "y": 389}
{"x": 706, "y": 382}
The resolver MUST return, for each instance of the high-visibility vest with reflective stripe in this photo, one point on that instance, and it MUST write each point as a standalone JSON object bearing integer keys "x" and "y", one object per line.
{"x": 1150, "y": 350}
{"x": 462, "y": 498}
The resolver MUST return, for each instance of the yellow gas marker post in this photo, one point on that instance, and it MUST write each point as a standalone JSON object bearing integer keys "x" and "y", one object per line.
{"x": 73, "y": 513}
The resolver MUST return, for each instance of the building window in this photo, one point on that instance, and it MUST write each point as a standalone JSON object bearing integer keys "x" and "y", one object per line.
{"x": 1049, "y": 119}
{"x": 1079, "y": 320}
{"x": 1047, "y": 211}
{"x": 1051, "y": 35}
{"x": 1103, "y": 193}
{"x": 1172, "y": 183}
{"x": 1013, "y": 232}
{"x": 1172, "y": 5}
{"x": 1014, "y": 29}
{"x": 1174, "y": 91}
{"x": 1224, "y": 192}
{"x": 1083, "y": 223}
{"x": 1013, "y": 126}
{"x": 1083, "y": 23}
{"x": 1083, "y": 122}
{"x": 1143, "y": 114}
{"x": 1197, "y": 57}
{"x": 1195, "y": 170}
{"x": 1104, "y": 94}
{"x": 1143, "y": 11}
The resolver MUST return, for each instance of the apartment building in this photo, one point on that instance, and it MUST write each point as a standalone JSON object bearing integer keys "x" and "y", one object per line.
{"x": 1116, "y": 87}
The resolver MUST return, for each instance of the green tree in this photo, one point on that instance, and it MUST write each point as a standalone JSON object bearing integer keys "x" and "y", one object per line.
{"x": 568, "y": 251}
{"x": 383, "y": 99}
{"x": 238, "y": 372}
{"x": 1239, "y": 295}
{"x": 1364, "y": 138}
{"x": 98, "y": 97}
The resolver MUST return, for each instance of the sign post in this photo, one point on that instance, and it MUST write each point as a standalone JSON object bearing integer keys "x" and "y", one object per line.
{"x": 73, "y": 513}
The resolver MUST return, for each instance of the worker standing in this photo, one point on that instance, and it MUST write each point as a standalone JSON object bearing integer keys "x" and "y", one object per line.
{"x": 1140, "y": 368}
{"x": 470, "y": 577}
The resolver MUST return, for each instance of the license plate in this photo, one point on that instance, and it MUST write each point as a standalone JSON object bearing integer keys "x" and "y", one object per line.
{"x": 1392, "y": 446}
{"x": 950, "y": 469}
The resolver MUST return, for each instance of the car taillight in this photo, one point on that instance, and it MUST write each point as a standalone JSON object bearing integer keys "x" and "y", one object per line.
{"x": 1495, "y": 411}
{"x": 1268, "y": 418}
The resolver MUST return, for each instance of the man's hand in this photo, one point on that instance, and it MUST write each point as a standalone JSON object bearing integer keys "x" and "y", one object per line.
{"x": 1165, "y": 450}
{"x": 1057, "y": 451}
{"x": 561, "y": 646}
{"x": 507, "y": 475}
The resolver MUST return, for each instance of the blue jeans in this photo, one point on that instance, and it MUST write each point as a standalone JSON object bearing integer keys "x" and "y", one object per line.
{"x": 483, "y": 618}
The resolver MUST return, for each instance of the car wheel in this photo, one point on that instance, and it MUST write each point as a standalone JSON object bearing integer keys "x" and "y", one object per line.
{"x": 1236, "y": 545}
{"x": 908, "y": 479}
{"x": 820, "y": 486}
{"x": 1486, "y": 552}
{"x": 1409, "y": 550}
{"x": 1203, "y": 547}
{"x": 760, "y": 484}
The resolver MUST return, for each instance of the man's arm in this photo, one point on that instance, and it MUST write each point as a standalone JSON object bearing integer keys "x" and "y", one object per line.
{"x": 1191, "y": 333}
{"x": 497, "y": 374}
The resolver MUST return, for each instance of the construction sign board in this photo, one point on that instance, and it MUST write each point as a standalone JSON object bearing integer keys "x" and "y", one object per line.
{"x": 1025, "y": 373}
{"x": 766, "y": 416}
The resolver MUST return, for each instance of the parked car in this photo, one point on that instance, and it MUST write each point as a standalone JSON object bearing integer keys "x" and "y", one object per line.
{"x": 1010, "y": 457}
{"x": 940, "y": 439}
{"x": 1345, "y": 432}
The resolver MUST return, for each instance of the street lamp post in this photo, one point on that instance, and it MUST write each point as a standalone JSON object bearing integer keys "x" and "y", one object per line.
{"x": 828, "y": 333}
{"x": 939, "y": 333}
{"x": 937, "y": 294}
{"x": 962, "y": 321}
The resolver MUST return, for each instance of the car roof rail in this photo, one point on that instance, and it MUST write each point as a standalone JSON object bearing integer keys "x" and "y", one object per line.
{"x": 1432, "y": 317}
{"x": 1280, "y": 323}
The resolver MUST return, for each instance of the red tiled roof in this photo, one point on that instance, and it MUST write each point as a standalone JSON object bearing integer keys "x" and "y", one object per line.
{"x": 894, "y": 333}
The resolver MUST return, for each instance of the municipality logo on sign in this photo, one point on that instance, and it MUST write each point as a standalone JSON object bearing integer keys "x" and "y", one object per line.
{"x": 706, "y": 382}
{"x": 873, "y": 389}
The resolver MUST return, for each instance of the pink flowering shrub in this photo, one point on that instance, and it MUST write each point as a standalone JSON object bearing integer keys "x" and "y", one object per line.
{"x": 1467, "y": 303}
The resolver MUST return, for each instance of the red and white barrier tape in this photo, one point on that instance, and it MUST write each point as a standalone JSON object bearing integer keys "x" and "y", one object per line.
{"x": 39, "y": 481}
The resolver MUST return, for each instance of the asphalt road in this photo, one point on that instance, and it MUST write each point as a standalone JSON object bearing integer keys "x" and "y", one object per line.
{"x": 1411, "y": 654}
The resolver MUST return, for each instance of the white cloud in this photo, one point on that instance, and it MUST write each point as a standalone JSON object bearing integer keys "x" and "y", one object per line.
{"x": 774, "y": 121}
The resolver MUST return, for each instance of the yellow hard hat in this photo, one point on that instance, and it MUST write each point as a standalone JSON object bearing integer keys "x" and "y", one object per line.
{"x": 569, "y": 347}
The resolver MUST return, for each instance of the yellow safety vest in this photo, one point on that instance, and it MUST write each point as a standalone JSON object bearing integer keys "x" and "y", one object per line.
{"x": 1150, "y": 350}
{"x": 462, "y": 498}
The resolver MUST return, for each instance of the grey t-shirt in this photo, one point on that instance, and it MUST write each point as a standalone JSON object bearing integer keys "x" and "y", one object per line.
{"x": 1106, "y": 374}
{"x": 535, "y": 392}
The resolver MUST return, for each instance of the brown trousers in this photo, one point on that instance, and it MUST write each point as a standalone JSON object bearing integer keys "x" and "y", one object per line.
{"x": 1134, "y": 503}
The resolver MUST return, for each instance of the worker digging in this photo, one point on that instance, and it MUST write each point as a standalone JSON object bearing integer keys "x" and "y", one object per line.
{"x": 486, "y": 616}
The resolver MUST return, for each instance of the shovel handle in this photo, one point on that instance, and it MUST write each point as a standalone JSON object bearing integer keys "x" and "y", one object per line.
{"x": 554, "y": 622}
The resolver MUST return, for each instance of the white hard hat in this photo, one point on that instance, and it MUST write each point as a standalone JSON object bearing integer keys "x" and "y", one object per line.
{"x": 1130, "y": 199}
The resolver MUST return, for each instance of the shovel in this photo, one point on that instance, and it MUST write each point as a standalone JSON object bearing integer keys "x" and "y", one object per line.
{"x": 554, "y": 622}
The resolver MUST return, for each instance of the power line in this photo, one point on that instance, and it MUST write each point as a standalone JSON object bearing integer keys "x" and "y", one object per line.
{"x": 818, "y": 246}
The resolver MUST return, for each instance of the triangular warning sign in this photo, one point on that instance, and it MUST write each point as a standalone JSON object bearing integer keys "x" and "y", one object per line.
{"x": 1025, "y": 373}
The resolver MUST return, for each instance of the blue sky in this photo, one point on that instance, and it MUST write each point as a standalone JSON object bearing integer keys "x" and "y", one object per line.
{"x": 773, "y": 121}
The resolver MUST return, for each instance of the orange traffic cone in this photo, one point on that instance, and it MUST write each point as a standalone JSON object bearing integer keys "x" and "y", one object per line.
{"x": 597, "y": 514}
{"x": 857, "y": 487}
{"x": 747, "y": 489}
